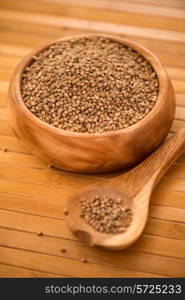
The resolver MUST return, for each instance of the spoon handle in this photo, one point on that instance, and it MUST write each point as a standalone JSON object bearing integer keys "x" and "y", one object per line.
{"x": 150, "y": 171}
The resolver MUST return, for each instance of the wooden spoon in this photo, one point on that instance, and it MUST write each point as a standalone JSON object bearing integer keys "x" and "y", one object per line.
{"x": 134, "y": 187}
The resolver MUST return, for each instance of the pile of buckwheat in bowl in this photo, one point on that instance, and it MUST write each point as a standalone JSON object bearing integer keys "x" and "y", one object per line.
{"x": 90, "y": 84}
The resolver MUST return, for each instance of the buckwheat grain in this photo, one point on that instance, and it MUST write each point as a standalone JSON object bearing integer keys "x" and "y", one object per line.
{"x": 89, "y": 85}
{"x": 106, "y": 214}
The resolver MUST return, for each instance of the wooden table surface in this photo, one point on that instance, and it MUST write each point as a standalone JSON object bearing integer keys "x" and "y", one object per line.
{"x": 32, "y": 195}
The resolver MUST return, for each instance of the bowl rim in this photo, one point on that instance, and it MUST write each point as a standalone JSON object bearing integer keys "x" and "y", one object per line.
{"x": 15, "y": 87}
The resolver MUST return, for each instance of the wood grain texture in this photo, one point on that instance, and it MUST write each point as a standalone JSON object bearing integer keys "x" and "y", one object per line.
{"x": 32, "y": 196}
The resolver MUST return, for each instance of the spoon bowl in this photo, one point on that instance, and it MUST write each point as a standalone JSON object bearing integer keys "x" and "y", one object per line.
{"x": 92, "y": 237}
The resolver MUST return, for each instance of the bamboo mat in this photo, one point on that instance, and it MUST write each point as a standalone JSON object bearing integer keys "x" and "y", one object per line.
{"x": 32, "y": 195}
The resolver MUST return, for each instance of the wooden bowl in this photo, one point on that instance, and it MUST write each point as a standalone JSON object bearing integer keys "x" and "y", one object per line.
{"x": 97, "y": 152}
